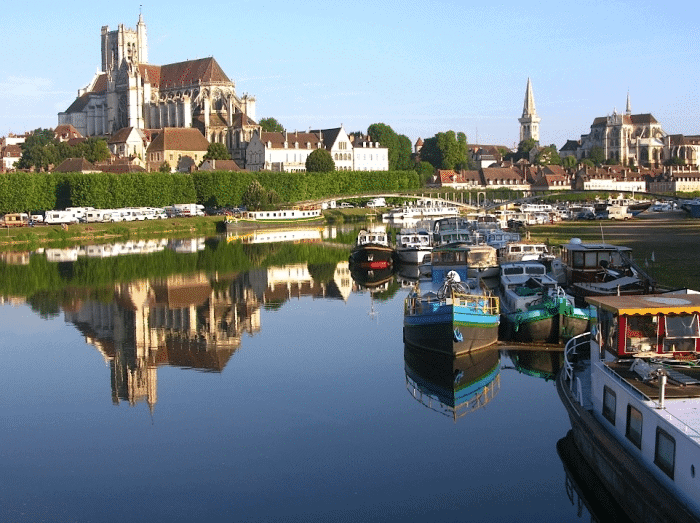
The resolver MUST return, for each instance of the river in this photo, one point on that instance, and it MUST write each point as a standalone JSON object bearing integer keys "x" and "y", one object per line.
{"x": 233, "y": 381}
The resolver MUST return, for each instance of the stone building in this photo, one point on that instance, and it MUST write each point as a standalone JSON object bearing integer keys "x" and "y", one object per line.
{"x": 626, "y": 138}
{"x": 529, "y": 121}
{"x": 130, "y": 92}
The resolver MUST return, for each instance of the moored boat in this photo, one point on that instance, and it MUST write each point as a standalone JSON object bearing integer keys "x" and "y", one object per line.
{"x": 281, "y": 216}
{"x": 412, "y": 245}
{"x": 599, "y": 269}
{"x": 372, "y": 249}
{"x": 454, "y": 320}
{"x": 534, "y": 308}
{"x": 466, "y": 259}
{"x": 631, "y": 388}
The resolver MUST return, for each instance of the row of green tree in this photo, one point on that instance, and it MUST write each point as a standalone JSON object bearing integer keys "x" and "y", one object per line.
{"x": 21, "y": 192}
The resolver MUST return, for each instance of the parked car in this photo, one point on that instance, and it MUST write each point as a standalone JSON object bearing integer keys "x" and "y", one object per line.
{"x": 585, "y": 215}
{"x": 346, "y": 205}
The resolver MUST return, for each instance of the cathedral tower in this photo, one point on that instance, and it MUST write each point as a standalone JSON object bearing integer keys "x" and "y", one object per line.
{"x": 124, "y": 43}
{"x": 529, "y": 122}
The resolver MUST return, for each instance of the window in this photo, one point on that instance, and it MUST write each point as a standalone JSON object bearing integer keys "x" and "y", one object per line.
{"x": 609, "y": 405}
{"x": 634, "y": 426}
{"x": 665, "y": 452}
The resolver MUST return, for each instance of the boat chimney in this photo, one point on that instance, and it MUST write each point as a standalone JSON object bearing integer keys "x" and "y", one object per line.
{"x": 662, "y": 389}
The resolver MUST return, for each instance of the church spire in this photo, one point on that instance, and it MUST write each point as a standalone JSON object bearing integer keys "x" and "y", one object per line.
{"x": 530, "y": 122}
{"x": 529, "y": 105}
{"x": 628, "y": 110}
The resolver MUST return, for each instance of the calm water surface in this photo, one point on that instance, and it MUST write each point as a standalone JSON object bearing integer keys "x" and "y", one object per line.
{"x": 255, "y": 383}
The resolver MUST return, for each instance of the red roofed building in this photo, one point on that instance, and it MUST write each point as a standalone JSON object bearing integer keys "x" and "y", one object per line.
{"x": 130, "y": 92}
{"x": 176, "y": 147}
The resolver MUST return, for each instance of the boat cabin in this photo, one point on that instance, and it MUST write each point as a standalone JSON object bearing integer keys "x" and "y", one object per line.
{"x": 664, "y": 324}
{"x": 412, "y": 238}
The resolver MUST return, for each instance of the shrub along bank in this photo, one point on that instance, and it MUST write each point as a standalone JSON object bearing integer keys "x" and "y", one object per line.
{"x": 22, "y": 192}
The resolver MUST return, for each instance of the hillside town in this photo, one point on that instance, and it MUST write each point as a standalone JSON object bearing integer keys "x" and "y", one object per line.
{"x": 167, "y": 117}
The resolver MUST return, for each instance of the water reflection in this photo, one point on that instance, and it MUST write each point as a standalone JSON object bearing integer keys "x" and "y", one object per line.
{"x": 541, "y": 363}
{"x": 452, "y": 386}
{"x": 583, "y": 489}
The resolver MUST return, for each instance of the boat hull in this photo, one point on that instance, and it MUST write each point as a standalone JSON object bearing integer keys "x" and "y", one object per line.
{"x": 632, "y": 485}
{"x": 540, "y": 327}
{"x": 372, "y": 256}
{"x": 412, "y": 256}
{"x": 450, "y": 330}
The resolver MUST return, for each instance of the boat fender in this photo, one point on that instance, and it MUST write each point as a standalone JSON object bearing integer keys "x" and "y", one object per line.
{"x": 458, "y": 336}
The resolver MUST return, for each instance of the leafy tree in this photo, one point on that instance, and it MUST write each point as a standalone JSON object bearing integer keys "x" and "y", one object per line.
{"x": 425, "y": 171}
{"x": 217, "y": 151}
{"x": 446, "y": 151}
{"x": 569, "y": 162}
{"x": 38, "y": 150}
{"x": 164, "y": 167}
{"x": 587, "y": 162}
{"x": 597, "y": 155}
{"x": 526, "y": 146}
{"x": 254, "y": 196}
{"x": 319, "y": 161}
{"x": 385, "y": 135}
{"x": 548, "y": 156}
{"x": 404, "y": 160}
{"x": 270, "y": 125}
{"x": 674, "y": 160}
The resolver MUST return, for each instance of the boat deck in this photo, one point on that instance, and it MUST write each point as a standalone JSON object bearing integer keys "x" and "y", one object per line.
{"x": 682, "y": 394}
{"x": 681, "y": 383}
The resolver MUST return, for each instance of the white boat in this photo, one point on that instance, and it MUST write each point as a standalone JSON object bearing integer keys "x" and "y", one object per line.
{"x": 631, "y": 388}
{"x": 422, "y": 210}
{"x": 522, "y": 251}
{"x": 412, "y": 245}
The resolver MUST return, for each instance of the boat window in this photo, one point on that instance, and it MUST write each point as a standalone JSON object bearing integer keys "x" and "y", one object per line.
{"x": 534, "y": 269}
{"x": 665, "y": 452}
{"x": 591, "y": 259}
{"x": 641, "y": 333}
{"x": 515, "y": 248}
{"x": 681, "y": 333}
{"x": 508, "y": 271}
{"x": 578, "y": 259}
{"x": 609, "y": 404}
{"x": 634, "y": 426}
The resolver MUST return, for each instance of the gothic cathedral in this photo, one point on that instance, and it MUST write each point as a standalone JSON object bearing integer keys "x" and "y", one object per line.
{"x": 130, "y": 92}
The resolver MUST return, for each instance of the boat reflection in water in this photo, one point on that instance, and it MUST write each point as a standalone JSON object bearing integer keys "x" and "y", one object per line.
{"x": 544, "y": 364}
{"x": 452, "y": 386}
{"x": 591, "y": 500}
{"x": 371, "y": 278}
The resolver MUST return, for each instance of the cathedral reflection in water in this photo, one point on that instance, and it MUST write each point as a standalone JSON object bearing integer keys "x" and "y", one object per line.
{"x": 190, "y": 321}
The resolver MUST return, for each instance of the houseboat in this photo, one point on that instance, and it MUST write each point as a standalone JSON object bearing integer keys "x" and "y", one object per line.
{"x": 279, "y": 216}
{"x": 601, "y": 269}
{"x": 458, "y": 318}
{"x": 631, "y": 388}
{"x": 423, "y": 210}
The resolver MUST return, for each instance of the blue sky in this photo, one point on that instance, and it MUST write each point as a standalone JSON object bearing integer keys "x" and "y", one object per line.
{"x": 423, "y": 68}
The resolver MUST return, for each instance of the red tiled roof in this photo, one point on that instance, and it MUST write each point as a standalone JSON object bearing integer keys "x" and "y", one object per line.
{"x": 190, "y": 72}
{"x": 179, "y": 139}
{"x": 74, "y": 165}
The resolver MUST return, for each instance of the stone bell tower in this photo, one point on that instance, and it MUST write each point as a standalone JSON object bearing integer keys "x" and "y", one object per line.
{"x": 529, "y": 122}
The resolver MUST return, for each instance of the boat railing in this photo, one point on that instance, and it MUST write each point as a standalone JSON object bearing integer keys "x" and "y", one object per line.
{"x": 486, "y": 304}
{"x": 575, "y": 346}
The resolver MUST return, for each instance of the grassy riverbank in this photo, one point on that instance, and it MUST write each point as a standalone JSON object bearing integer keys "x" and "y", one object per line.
{"x": 18, "y": 237}
{"x": 664, "y": 244}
